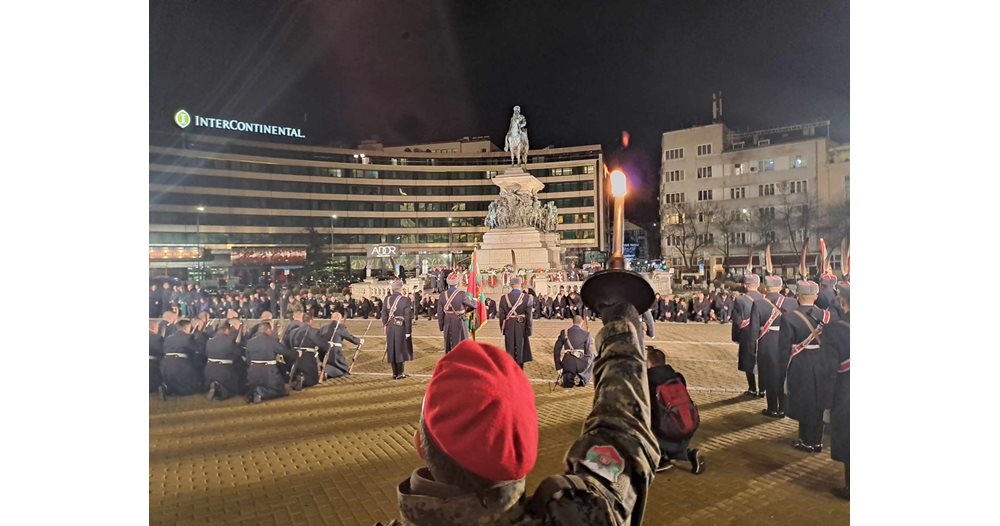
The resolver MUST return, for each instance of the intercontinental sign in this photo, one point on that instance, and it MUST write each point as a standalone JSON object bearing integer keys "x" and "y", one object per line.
{"x": 184, "y": 119}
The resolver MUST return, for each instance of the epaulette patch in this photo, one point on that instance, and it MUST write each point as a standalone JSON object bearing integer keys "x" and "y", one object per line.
{"x": 605, "y": 461}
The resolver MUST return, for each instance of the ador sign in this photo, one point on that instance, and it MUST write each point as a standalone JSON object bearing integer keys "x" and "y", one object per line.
{"x": 383, "y": 251}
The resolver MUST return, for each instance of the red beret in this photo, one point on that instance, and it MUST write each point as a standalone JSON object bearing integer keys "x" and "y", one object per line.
{"x": 480, "y": 410}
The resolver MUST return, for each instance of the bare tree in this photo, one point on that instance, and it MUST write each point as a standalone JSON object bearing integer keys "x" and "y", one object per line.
{"x": 834, "y": 224}
{"x": 799, "y": 215}
{"x": 688, "y": 229}
{"x": 728, "y": 224}
{"x": 764, "y": 224}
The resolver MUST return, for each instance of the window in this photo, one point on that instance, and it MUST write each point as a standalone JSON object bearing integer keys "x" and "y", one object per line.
{"x": 674, "y": 198}
{"x": 704, "y": 149}
{"x": 739, "y": 192}
{"x": 704, "y": 172}
{"x": 676, "y": 153}
{"x": 589, "y": 169}
{"x": 704, "y": 217}
{"x": 675, "y": 219}
{"x": 765, "y": 189}
{"x": 766, "y": 165}
{"x": 673, "y": 176}
{"x": 673, "y": 241}
{"x": 704, "y": 195}
{"x": 798, "y": 162}
{"x": 766, "y": 213}
{"x": 738, "y": 238}
{"x": 770, "y": 237}
{"x": 797, "y": 187}
{"x": 741, "y": 168}
{"x": 706, "y": 239}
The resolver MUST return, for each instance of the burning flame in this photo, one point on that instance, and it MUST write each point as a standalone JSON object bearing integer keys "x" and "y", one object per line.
{"x": 625, "y": 138}
{"x": 619, "y": 186}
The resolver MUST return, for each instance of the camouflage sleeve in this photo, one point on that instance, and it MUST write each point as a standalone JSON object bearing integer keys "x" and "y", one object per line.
{"x": 616, "y": 453}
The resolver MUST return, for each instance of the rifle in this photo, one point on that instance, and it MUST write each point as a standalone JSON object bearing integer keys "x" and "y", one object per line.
{"x": 329, "y": 351}
{"x": 358, "y": 350}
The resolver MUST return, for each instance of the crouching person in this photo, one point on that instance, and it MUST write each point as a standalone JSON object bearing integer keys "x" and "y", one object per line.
{"x": 574, "y": 355}
{"x": 335, "y": 333}
{"x": 674, "y": 415}
{"x": 180, "y": 370}
{"x": 478, "y": 434}
{"x": 225, "y": 371}
{"x": 263, "y": 377}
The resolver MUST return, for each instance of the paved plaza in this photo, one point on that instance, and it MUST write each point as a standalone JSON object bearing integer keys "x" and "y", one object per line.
{"x": 334, "y": 453}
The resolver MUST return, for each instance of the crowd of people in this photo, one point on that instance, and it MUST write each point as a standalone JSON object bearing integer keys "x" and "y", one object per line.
{"x": 793, "y": 348}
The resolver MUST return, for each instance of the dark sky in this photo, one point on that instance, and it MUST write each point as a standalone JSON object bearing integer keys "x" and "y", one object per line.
{"x": 582, "y": 72}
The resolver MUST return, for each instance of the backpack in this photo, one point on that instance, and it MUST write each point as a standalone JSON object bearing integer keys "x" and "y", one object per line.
{"x": 678, "y": 417}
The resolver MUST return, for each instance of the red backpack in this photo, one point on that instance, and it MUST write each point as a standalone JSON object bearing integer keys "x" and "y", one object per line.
{"x": 677, "y": 416}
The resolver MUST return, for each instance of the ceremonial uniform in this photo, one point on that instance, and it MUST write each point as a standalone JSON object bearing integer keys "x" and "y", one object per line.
{"x": 155, "y": 357}
{"x": 515, "y": 323}
{"x": 307, "y": 344}
{"x": 609, "y": 467}
{"x": 766, "y": 320}
{"x": 225, "y": 365}
{"x": 747, "y": 354}
{"x": 263, "y": 377}
{"x": 451, "y": 317}
{"x": 837, "y": 341}
{"x": 397, "y": 319}
{"x": 334, "y": 334}
{"x": 179, "y": 368}
{"x": 574, "y": 356}
{"x": 827, "y": 298}
{"x": 811, "y": 371}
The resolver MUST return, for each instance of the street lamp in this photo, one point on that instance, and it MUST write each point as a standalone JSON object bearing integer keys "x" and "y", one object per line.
{"x": 451, "y": 253}
{"x": 201, "y": 258}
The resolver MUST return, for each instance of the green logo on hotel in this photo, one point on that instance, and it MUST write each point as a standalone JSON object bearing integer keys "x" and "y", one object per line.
{"x": 182, "y": 118}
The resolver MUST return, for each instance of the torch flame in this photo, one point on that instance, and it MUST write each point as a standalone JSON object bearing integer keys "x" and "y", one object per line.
{"x": 619, "y": 187}
{"x": 625, "y": 138}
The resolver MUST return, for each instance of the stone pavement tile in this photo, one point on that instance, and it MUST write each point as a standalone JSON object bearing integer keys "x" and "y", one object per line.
{"x": 333, "y": 454}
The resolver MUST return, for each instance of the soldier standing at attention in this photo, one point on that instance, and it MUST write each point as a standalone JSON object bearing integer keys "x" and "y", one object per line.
{"x": 828, "y": 294}
{"x": 397, "y": 318}
{"x": 515, "y": 322}
{"x": 478, "y": 434}
{"x": 747, "y": 361}
{"x": 812, "y": 369}
{"x": 837, "y": 337}
{"x": 451, "y": 318}
{"x": 766, "y": 319}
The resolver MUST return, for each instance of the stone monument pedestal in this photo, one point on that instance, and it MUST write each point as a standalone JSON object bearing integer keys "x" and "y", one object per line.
{"x": 532, "y": 248}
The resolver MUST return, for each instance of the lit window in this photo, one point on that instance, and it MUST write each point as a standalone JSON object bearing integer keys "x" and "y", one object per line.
{"x": 798, "y": 162}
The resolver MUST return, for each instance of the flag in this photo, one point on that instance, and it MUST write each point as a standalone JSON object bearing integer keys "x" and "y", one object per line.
{"x": 821, "y": 267}
{"x": 475, "y": 289}
{"x": 767, "y": 259}
{"x": 803, "y": 269}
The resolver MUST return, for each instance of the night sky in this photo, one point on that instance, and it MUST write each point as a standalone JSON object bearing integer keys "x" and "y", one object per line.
{"x": 582, "y": 72}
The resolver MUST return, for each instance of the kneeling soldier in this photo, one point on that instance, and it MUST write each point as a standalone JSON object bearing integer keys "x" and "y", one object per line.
{"x": 574, "y": 355}
{"x": 263, "y": 354}
{"x": 307, "y": 342}
{"x": 334, "y": 333}
{"x": 225, "y": 371}
{"x": 180, "y": 368}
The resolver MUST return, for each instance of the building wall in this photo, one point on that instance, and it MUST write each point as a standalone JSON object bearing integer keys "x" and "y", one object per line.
{"x": 741, "y": 179}
{"x": 268, "y": 194}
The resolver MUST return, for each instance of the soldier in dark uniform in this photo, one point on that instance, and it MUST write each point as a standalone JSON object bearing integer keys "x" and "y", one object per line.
{"x": 263, "y": 377}
{"x": 308, "y": 345}
{"x": 397, "y": 319}
{"x": 479, "y": 446}
{"x": 574, "y": 355}
{"x": 747, "y": 361}
{"x": 274, "y": 299}
{"x": 451, "y": 318}
{"x": 155, "y": 356}
{"x": 491, "y": 308}
{"x": 181, "y": 374}
{"x": 766, "y": 319}
{"x": 837, "y": 339}
{"x": 515, "y": 322}
{"x": 225, "y": 371}
{"x": 352, "y": 306}
{"x": 812, "y": 369}
{"x": 828, "y": 294}
{"x": 334, "y": 333}
{"x": 442, "y": 277}
{"x": 252, "y": 331}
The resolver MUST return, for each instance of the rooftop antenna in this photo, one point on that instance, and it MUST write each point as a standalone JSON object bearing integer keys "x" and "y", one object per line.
{"x": 717, "y": 106}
